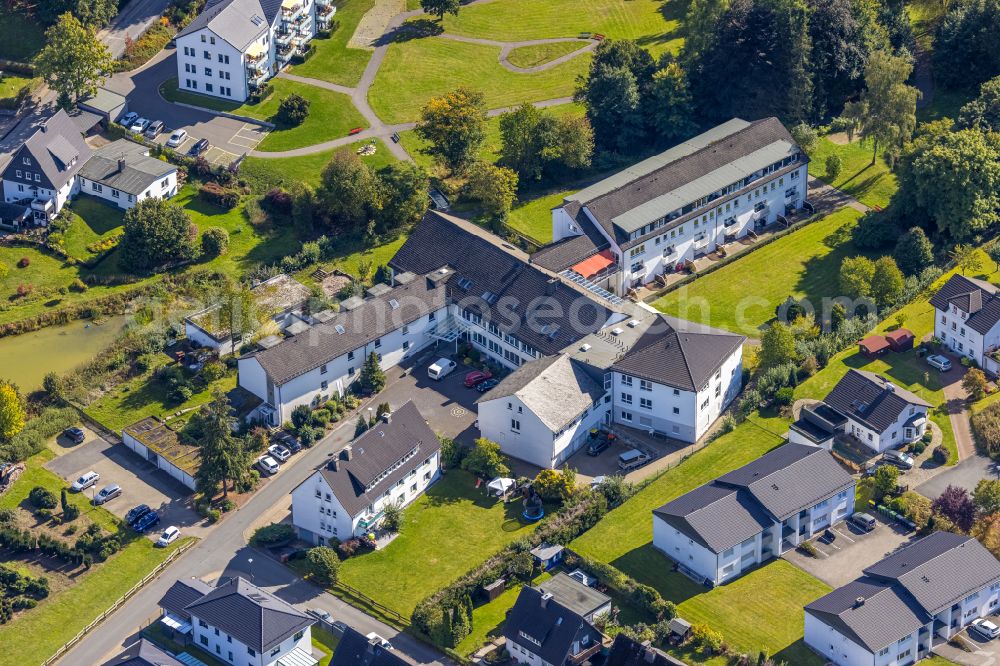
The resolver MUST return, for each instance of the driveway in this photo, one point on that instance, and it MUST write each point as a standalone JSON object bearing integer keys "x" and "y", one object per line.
{"x": 842, "y": 560}
{"x": 983, "y": 652}
{"x": 141, "y": 483}
{"x": 965, "y": 474}
{"x": 230, "y": 138}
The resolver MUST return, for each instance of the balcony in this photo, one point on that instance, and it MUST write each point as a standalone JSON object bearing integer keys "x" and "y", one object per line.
{"x": 283, "y": 38}
{"x": 290, "y": 10}
{"x": 368, "y": 521}
{"x": 255, "y": 78}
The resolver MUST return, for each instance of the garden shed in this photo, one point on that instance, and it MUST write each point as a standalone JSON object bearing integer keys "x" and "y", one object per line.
{"x": 900, "y": 340}
{"x": 873, "y": 346}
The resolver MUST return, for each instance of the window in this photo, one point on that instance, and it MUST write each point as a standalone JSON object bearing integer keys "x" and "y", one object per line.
{"x": 378, "y": 343}
{"x": 515, "y": 425}
{"x": 38, "y": 177}
{"x": 203, "y": 39}
{"x": 19, "y": 174}
{"x": 645, "y": 385}
{"x": 350, "y": 356}
{"x": 626, "y": 380}
{"x": 208, "y": 87}
{"x": 203, "y": 624}
{"x": 298, "y": 636}
{"x": 323, "y": 385}
{"x": 211, "y": 40}
{"x": 350, "y": 371}
{"x": 322, "y": 369}
{"x": 203, "y": 639}
{"x": 208, "y": 56}
{"x": 677, "y": 410}
{"x": 627, "y": 417}
{"x": 275, "y": 651}
{"x": 208, "y": 71}
{"x": 406, "y": 345}
{"x": 677, "y": 392}
{"x": 251, "y": 652}
{"x": 115, "y": 193}
{"x": 645, "y": 403}
{"x": 626, "y": 398}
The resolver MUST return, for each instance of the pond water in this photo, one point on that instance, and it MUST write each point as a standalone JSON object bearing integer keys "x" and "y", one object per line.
{"x": 25, "y": 359}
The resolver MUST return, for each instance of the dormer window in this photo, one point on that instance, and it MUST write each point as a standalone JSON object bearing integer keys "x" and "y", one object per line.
{"x": 26, "y": 160}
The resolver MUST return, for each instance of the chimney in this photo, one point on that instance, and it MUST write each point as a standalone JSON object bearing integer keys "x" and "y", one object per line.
{"x": 43, "y": 126}
{"x": 550, "y": 286}
{"x": 545, "y": 599}
{"x": 333, "y": 465}
{"x": 387, "y": 417}
{"x": 121, "y": 164}
{"x": 346, "y": 454}
{"x": 859, "y": 602}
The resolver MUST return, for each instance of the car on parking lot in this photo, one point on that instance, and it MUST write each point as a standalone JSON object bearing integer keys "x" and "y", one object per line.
{"x": 107, "y": 493}
{"x": 200, "y": 147}
{"x": 939, "y": 362}
{"x": 320, "y": 615}
{"x": 169, "y": 535}
{"x": 597, "y": 446}
{"x": 128, "y": 119}
{"x": 441, "y": 368}
{"x": 85, "y": 481}
{"x": 75, "y": 435}
{"x": 135, "y": 513}
{"x": 177, "y": 137}
{"x": 632, "y": 459}
{"x": 279, "y": 452}
{"x": 147, "y": 521}
{"x": 487, "y": 385}
{"x": 864, "y": 521}
{"x": 288, "y": 441}
{"x": 476, "y": 377}
{"x": 899, "y": 458}
{"x": 375, "y": 639}
{"x": 138, "y": 126}
{"x": 268, "y": 465}
{"x": 154, "y": 129}
{"x": 984, "y": 628}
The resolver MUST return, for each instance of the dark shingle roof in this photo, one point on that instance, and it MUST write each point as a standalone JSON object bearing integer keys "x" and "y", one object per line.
{"x": 253, "y": 616}
{"x": 355, "y": 650}
{"x": 143, "y": 653}
{"x": 871, "y": 399}
{"x": 939, "y": 570}
{"x": 553, "y": 627}
{"x": 564, "y": 253}
{"x": 525, "y": 301}
{"x": 684, "y": 359}
{"x": 627, "y": 651}
{"x": 57, "y": 151}
{"x": 887, "y": 614}
{"x": 140, "y": 170}
{"x": 182, "y": 593}
{"x": 976, "y": 297}
{"x": 374, "y": 452}
{"x": 716, "y": 516}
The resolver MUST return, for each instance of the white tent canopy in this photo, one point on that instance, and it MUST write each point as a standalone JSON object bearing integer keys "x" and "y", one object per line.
{"x": 500, "y": 485}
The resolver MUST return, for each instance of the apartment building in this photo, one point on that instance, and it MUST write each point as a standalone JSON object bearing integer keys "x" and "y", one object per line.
{"x": 967, "y": 320}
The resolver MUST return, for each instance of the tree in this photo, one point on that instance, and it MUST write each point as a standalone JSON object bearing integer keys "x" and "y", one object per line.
{"x": 914, "y": 251}
{"x": 616, "y": 94}
{"x": 838, "y": 315}
{"x": 494, "y": 187}
{"x": 839, "y": 51}
{"x": 441, "y": 7}
{"x": 485, "y": 460}
{"x": 983, "y": 113}
{"x": 455, "y": 127}
{"x": 301, "y": 416}
{"x": 700, "y": 28}
{"x": 372, "y": 378}
{"x": 348, "y": 192}
{"x": 214, "y": 242}
{"x": 671, "y": 105}
{"x": 555, "y": 486}
{"x": 993, "y": 252}
{"x": 833, "y": 166}
{"x": 238, "y": 311}
{"x": 361, "y": 427}
{"x": 887, "y": 282}
{"x": 533, "y": 141}
{"x": 223, "y": 456}
{"x": 884, "y": 481}
{"x": 392, "y": 517}
{"x": 856, "y": 274}
{"x": 975, "y": 383}
{"x": 777, "y": 345}
{"x": 956, "y": 505}
{"x": 303, "y": 207}
{"x": 986, "y": 496}
{"x": 965, "y": 50}
{"x": 323, "y": 565}
{"x": 157, "y": 232}
{"x": 293, "y": 110}
{"x": 886, "y": 114}
{"x": 806, "y": 137}
{"x": 404, "y": 187}
{"x": 73, "y": 61}
{"x": 966, "y": 258}
{"x": 12, "y": 411}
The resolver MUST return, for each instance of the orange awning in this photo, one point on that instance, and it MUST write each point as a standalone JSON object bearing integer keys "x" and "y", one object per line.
{"x": 595, "y": 264}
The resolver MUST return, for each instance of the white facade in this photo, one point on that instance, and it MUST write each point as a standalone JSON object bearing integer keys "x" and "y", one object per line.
{"x": 842, "y": 651}
{"x": 46, "y": 203}
{"x": 163, "y": 188}
{"x": 208, "y": 64}
{"x": 894, "y": 436}
{"x": 950, "y": 328}
{"x": 217, "y": 642}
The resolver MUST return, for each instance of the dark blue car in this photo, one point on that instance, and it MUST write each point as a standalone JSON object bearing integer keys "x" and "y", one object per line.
{"x": 147, "y": 521}
{"x": 135, "y": 513}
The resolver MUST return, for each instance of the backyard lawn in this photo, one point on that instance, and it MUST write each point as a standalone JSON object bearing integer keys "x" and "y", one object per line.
{"x": 743, "y": 295}
{"x": 93, "y": 220}
{"x": 539, "y": 54}
{"x": 447, "y": 531}
{"x": 871, "y": 184}
{"x": 324, "y": 641}
{"x": 488, "y": 619}
{"x": 333, "y": 61}
{"x": 10, "y": 83}
{"x": 533, "y": 218}
{"x": 416, "y": 70}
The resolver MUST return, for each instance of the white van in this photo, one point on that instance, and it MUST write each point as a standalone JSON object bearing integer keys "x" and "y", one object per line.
{"x": 441, "y": 368}
{"x": 632, "y": 459}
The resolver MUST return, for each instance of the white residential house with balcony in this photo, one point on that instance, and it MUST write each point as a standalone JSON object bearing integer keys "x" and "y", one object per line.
{"x": 392, "y": 463}
{"x": 651, "y": 218}
{"x": 967, "y": 320}
{"x": 754, "y": 513}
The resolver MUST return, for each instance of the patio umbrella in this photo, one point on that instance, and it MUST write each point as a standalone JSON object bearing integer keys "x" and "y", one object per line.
{"x": 500, "y": 486}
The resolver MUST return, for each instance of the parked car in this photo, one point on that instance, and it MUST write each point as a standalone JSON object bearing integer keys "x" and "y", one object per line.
{"x": 177, "y": 137}
{"x": 279, "y": 452}
{"x": 200, "y": 147}
{"x": 154, "y": 129}
{"x": 135, "y": 513}
{"x": 476, "y": 377}
{"x": 268, "y": 465}
{"x": 107, "y": 493}
{"x": 320, "y": 615}
{"x": 441, "y": 368}
{"x": 828, "y": 536}
{"x": 75, "y": 435}
{"x": 169, "y": 535}
{"x": 899, "y": 458}
{"x": 632, "y": 459}
{"x": 939, "y": 362}
{"x": 85, "y": 481}
{"x": 287, "y": 441}
{"x": 864, "y": 521}
{"x": 138, "y": 126}
{"x": 985, "y": 628}
{"x": 597, "y": 445}
{"x": 487, "y": 385}
{"x": 128, "y": 119}
{"x": 147, "y": 521}
{"x": 375, "y": 639}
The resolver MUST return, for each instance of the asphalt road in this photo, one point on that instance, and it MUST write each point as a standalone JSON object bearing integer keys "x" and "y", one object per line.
{"x": 132, "y": 21}
{"x": 224, "y": 553}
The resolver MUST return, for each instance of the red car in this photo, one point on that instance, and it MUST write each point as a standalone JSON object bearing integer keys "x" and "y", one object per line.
{"x": 476, "y": 377}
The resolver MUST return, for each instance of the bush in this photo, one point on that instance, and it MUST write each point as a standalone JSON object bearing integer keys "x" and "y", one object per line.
{"x": 213, "y": 515}
{"x": 7, "y": 516}
{"x": 349, "y": 548}
{"x": 833, "y": 166}
{"x": 705, "y": 639}
{"x": 275, "y": 534}
{"x": 293, "y": 110}
{"x": 227, "y": 505}
{"x": 278, "y": 201}
{"x": 222, "y": 197}
{"x": 181, "y": 394}
{"x": 23, "y": 262}
{"x": 301, "y": 416}
{"x": 308, "y": 435}
{"x": 808, "y": 548}
{"x": 41, "y": 498}
{"x": 215, "y": 242}
{"x": 940, "y": 454}
{"x": 785, "y": 396}
{"x": 392, "y": 517}
{"x": 323, "y": 565}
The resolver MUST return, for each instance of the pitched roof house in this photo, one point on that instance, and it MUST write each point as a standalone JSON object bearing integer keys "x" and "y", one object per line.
{"x": 123, "y": 173}
{"x": 539, "y": 627}
{"x": 354, "y": 649}
{"x": 143, "y": 653}
{"x": 967, "y": 319}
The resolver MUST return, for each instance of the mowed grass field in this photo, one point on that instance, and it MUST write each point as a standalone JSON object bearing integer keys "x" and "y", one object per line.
{"x": 743, "y": 295}
{"x": 539, "y": 54}
{"x": 333, "y": 61}
{"x": 416, "y": 70}
{"x": 871, "y": 184}
{"x": 655, "y": 24}
{"x": 307, "y": 168}
{"x": 331, "y": 116}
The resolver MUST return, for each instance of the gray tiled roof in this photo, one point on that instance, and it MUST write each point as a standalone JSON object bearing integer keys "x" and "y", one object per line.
{"x": 627, "y": 651}
{"x": 374, "y": 452}
{"x": 253, "y": 616}
{"x": 143, "y": 653}
{"x": 182, "y": 593}
{"x": 549, "y": 623}
{"x": 564, "y": 253}
{"x": 683, "y": 359}
{"x": 939, "y": 570}
{"x": 887, "y": 615}
{"x": 140, "y": 170}
{"x": 976, "y": 297}
{"x": 555, "y": 388}
{"x": 353, "y": 649}
{"x": 56, "y": 149}
{"x": 718, "y": 517}
{"x": 871, "y": 399}
{"x": 232, "y": 20}
{"x": 574, "y": 595}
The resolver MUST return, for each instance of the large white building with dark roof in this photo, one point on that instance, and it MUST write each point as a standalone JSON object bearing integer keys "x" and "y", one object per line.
{"x": 967, "y": 319}
{"x": 652, "y": 217}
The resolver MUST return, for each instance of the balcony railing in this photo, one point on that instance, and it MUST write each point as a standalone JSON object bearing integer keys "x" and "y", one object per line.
{"x": 368, "y": 521}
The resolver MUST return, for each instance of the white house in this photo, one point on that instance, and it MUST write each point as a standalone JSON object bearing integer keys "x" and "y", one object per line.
{"x": 654, "y": 216}
{"x": 725, "y": 527}
{"x": 238, "y": 623}
{"x": 967, "y": 319}
{"x": 876, "y": 412}
{"x": 393, "y": 463}
{"x": 122, "y": 173}
{"x": 234, "y": 46}
{"x": 542, "y": 631}
{"x": 890, "y": 616}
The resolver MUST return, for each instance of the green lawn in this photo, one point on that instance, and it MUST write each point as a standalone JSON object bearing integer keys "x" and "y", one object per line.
{"x": 946, "y": 104}
{"x": 20, "y": 38}
{"x": 172, "y": 93}
{"x": 539, "y": 54}
{"x": 333, "y": 61}
{"x": 488, "y": 619}
{"x": 305, "y": 169}
{"x": 11, "y": 84}
{"x": 533, "y": 217}
{"x": 655, "y": 24}
{"x": 416, "y": 70}
{"x": 324, "y": 641}
{"x": 743, "y": 295}
{"x": 447, "y": 531}
{"x": 871, "y": 184}
{"x": 93, "y": 220}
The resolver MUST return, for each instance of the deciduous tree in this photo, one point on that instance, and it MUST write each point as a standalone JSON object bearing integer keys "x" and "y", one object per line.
{"x": 838, "y": 55}
{"x": 975, "y": 383}
{"x": 886, "y": 114}
{"x": 956, "y": 505}
{"x": 914, "y": 251}
{"x": 986, "y": 496}
{"x": 293, "y": 110}
{"x": 403, "y": 199}
{"x": 671, "y": 106}
{"x": 455, "y": 127}
{"x": 157, "y": 232}
{"x": 494, "y": 187}
{"x": 485, "y": 460}
{"x": 777, "y": 345}
{"x": 983, "y": 113}
{"x": 348, "y": 192}
{"x": 856, "y": 275}
{"x": 441, "y": 7}
{"x": 74, "y": 62}
{"x": 887, "y": 282}
{"x": 965, "y": 48}
{"x": 323, "y": 564}
{"x": 12, "y": 411}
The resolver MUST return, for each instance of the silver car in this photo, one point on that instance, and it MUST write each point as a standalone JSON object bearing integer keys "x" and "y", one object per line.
{"x": 139, "y": 126}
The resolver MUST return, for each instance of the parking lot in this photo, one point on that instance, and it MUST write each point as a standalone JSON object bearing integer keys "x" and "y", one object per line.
{"x": 983, "y": 652}
{"x": 843, "y": 559}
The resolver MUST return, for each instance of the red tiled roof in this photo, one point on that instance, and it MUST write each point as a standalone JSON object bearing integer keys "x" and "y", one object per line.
{"x": 874, "y": 343}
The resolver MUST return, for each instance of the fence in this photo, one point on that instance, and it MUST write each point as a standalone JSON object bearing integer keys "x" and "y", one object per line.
{"x": 390, "y": 616}
{"x": 114, "y": 607}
